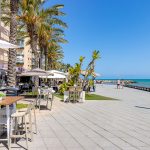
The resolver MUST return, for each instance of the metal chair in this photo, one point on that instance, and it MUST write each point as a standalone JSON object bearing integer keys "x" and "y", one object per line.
{"x": 50, "y": 98}
{"x": 47, "y": 95}
{"x": 19, "y": 125}
{"x": 31, "y": 121}
{"x": 5, "y": 122}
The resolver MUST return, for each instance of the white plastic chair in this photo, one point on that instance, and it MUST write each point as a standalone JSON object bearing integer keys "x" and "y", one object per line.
{"x": 47, "y": 96}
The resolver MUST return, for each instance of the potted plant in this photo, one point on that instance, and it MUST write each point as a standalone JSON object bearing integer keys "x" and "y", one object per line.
{"x": 2, "y": 95}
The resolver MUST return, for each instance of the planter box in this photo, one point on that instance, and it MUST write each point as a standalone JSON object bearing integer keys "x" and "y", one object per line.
{"x": 81, "y": 100}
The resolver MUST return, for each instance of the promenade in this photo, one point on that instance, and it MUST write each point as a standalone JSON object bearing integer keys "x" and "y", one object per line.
{"x": 122, "y": 124}
{"x": 127, "y": 96}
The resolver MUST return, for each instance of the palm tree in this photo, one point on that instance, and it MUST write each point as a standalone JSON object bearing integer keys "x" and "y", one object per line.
{"x": 32, "y": 15}
{"x": 65, "y": 67}
{"x": 55, "y": 54}
{"x": 74, "y": 72}
{"x": 44, "y": 36}
{"x": 12, "y": 38}
{"x": 91, "y": 66}
{"x": 50, "y": 36}
{"x": 38, "y": 25}
{"x": 28, "y": 16}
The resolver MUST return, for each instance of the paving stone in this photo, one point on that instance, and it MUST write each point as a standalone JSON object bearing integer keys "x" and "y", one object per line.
{"x": 129, "y": 148}
{"x": 52, "y": 142}
{"x": 119, "y": 142}
{"x": 70, "y": 143}
{"x": 95, "y": 125}
{"x": 134, "y": 142}
{"x": 144, "y": 148}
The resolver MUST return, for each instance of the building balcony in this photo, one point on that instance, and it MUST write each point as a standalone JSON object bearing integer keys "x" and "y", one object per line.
{"x": 20, "y": 60}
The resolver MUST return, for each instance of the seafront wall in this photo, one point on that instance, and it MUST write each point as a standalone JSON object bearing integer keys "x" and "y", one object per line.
{"x": 138, "y": 87}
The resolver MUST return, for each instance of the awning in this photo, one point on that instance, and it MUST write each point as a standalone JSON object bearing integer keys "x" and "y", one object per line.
{"x": 36, "y": 72}
{"x": 54, "y": 76}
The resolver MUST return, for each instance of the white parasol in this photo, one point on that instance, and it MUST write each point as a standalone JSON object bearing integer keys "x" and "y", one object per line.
{"x": 36, "y": 72}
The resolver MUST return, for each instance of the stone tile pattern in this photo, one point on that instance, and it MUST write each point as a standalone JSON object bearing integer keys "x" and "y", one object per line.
{"x": 93, "y": 125}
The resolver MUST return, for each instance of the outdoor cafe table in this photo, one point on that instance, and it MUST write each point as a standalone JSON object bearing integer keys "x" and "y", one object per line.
{"x": 7, "y": 102}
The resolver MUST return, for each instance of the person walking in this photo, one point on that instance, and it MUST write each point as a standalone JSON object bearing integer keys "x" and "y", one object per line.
{"x": 118, "y": 84}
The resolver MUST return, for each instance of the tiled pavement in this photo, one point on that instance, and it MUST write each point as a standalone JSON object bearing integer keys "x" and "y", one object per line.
{"x": 93, "y": 125}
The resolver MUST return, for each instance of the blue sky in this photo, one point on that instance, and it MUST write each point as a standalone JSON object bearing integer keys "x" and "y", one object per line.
{"x": 119, "y": 29}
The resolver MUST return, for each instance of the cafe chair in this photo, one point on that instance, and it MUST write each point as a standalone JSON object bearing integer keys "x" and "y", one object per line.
{"x": 4, "y": 124}
{"x": 20, "y": 129}
{"x": 50, "y": 98}
{"x": 30, "y": 116}
{"x": 46, "y": 95}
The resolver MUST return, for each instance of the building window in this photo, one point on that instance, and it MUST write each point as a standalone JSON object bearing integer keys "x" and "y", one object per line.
{"x": 20, "y": 42}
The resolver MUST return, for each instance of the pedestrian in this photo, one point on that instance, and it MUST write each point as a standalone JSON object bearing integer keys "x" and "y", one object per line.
{"x": 118, "y": 84}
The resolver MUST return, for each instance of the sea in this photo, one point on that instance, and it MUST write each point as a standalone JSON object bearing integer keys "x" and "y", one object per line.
{"x": 138, "y": 82}
{"x": 141, "y": 82}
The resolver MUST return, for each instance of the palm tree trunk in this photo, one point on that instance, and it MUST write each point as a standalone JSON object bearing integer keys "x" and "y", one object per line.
{"x": 86, "y": 73}
{"x": 34, "y": 44}
{"x": 46, "y": 58}
{"x": 12, "y": 39}
{"x": 41, "y": 58}
{"x": 50, "y": 63}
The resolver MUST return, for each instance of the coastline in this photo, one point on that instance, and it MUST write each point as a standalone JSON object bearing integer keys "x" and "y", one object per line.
{"x": 140, "y": 84}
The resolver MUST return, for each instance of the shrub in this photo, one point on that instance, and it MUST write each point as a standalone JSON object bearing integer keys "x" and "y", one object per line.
{"x": 2, "y": 94}
{"x": 63, "y": 87}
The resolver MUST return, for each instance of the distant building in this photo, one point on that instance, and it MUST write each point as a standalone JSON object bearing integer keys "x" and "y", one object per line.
{"x": 24, "y": 56}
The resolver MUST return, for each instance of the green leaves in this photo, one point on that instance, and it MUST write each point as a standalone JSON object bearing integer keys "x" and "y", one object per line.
{"x": 96, "y": 55}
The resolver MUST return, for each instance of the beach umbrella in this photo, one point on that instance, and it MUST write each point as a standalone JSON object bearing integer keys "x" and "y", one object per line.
{"x": 6, "y": 45}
